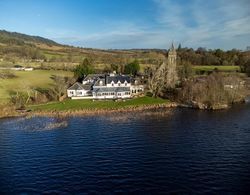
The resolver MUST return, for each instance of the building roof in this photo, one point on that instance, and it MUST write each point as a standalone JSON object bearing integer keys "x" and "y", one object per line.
{"x": 79, "y": 86}
{"x": 93, "y": 76}
{"x": 111, "y": 89}
{"x": 108, "y": 79}
{"x": 100, "y": 82}
{"x": 116, "y": 78}
{"x": 137, "y": 81}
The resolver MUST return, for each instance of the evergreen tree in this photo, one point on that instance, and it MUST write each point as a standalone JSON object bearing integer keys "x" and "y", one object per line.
{"x": 179, "y": 47}
{"x": 132, "y": 68}
{"x": 83, "y": 70}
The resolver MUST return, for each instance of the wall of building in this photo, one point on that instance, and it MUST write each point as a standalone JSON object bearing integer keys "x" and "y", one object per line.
{"x": 112, "y": 95}
{"x": 77, "y": 93}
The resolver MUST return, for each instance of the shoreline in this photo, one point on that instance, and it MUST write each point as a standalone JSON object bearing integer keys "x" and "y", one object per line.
{"x": 97, "y": 111}
{"x": 90, "y": 112}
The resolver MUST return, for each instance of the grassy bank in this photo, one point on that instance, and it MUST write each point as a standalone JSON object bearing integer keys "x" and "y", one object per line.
{"x": 74, "y": 105}
{"x": 219, "y": 68}
{"x": 29, "y": 79}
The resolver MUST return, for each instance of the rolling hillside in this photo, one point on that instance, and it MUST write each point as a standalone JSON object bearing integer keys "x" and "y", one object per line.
{"x": 35, "y": 51}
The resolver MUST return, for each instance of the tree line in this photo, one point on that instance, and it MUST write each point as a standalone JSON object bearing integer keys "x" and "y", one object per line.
{"x": 202, "y": 56}
{"x": 86, "y": 67}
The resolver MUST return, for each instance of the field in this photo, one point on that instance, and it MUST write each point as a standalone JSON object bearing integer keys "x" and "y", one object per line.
{"x": 32, "y": 79}
{"x": 91, "y": 105}
{"x": 220, "y": 68}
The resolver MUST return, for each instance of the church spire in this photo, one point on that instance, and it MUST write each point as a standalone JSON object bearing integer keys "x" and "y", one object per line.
{"x": 172, "y": 47}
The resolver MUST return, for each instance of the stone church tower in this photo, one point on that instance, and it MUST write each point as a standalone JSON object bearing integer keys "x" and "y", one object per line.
{"x": 172, "y": 56}
{"x": 172, "y": 76}
{"x": 166, "y": 75}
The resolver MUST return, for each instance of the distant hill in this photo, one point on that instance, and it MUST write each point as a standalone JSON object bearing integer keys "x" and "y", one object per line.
{"x": 21, "y": 39}
{"x": 36, "y": 51}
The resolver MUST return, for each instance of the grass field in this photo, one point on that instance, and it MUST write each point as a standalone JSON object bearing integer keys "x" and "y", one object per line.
{"x": 220, "y": 68}
{"x": 36, "y": 78}
{"x": 68, "y": 105}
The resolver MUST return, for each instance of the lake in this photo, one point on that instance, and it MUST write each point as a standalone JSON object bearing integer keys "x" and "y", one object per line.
{"x": 180, "y": 151}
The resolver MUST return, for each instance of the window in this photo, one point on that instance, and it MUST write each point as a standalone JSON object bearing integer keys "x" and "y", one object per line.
{"x": 125, "y": 84}
{"x": 119, "y": 84}
{"x": 71, "y": 92}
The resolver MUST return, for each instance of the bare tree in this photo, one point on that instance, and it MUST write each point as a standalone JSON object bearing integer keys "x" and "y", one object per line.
{"x": 59, "y": 87}
{"x": 212, "y": 91}
{"x": 156, "y": 80}
{"x": 164, "y": 77}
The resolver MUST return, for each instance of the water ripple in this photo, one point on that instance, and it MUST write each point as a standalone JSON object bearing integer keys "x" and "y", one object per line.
{"x": 179, "y": 151}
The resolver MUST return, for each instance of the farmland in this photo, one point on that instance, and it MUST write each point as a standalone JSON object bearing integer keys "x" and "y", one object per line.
{"x": 24, "y": 80}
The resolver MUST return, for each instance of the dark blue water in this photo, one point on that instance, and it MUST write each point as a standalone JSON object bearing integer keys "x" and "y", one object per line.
{"x": 181, "y": 151}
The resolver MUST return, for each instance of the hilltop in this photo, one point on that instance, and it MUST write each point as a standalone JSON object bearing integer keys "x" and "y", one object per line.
{"x": 21, "y": 39}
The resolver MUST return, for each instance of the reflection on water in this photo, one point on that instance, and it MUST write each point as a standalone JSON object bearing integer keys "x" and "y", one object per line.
{"x": 50, "y": 123}
{"x": 181, "y": 151}
{"x": 36, "y": 124}
{"x": 130, "y": 116}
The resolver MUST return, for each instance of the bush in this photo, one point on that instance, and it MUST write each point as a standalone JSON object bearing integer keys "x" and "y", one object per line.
{"x": 7, "y": 75}
{"x": 18, "y": 99}
{"x": 149, "y": 94}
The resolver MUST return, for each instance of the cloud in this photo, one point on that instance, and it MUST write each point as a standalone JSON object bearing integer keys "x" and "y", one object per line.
{"x": 210, "y": 23}
{"x": 195, "y": 23}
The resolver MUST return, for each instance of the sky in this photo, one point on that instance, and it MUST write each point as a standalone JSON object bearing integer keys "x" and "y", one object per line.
{"x": 126, "y": 24}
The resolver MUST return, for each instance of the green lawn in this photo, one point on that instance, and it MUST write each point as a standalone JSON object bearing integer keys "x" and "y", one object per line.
{"x": 36, "y": 78}
{"x": 101, "y": 104}
{"x": 220, "y": 68}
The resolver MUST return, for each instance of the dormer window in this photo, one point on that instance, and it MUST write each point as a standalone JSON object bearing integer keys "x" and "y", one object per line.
{"x": 112, "y": 83}
{"x": 125, "y": 83}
